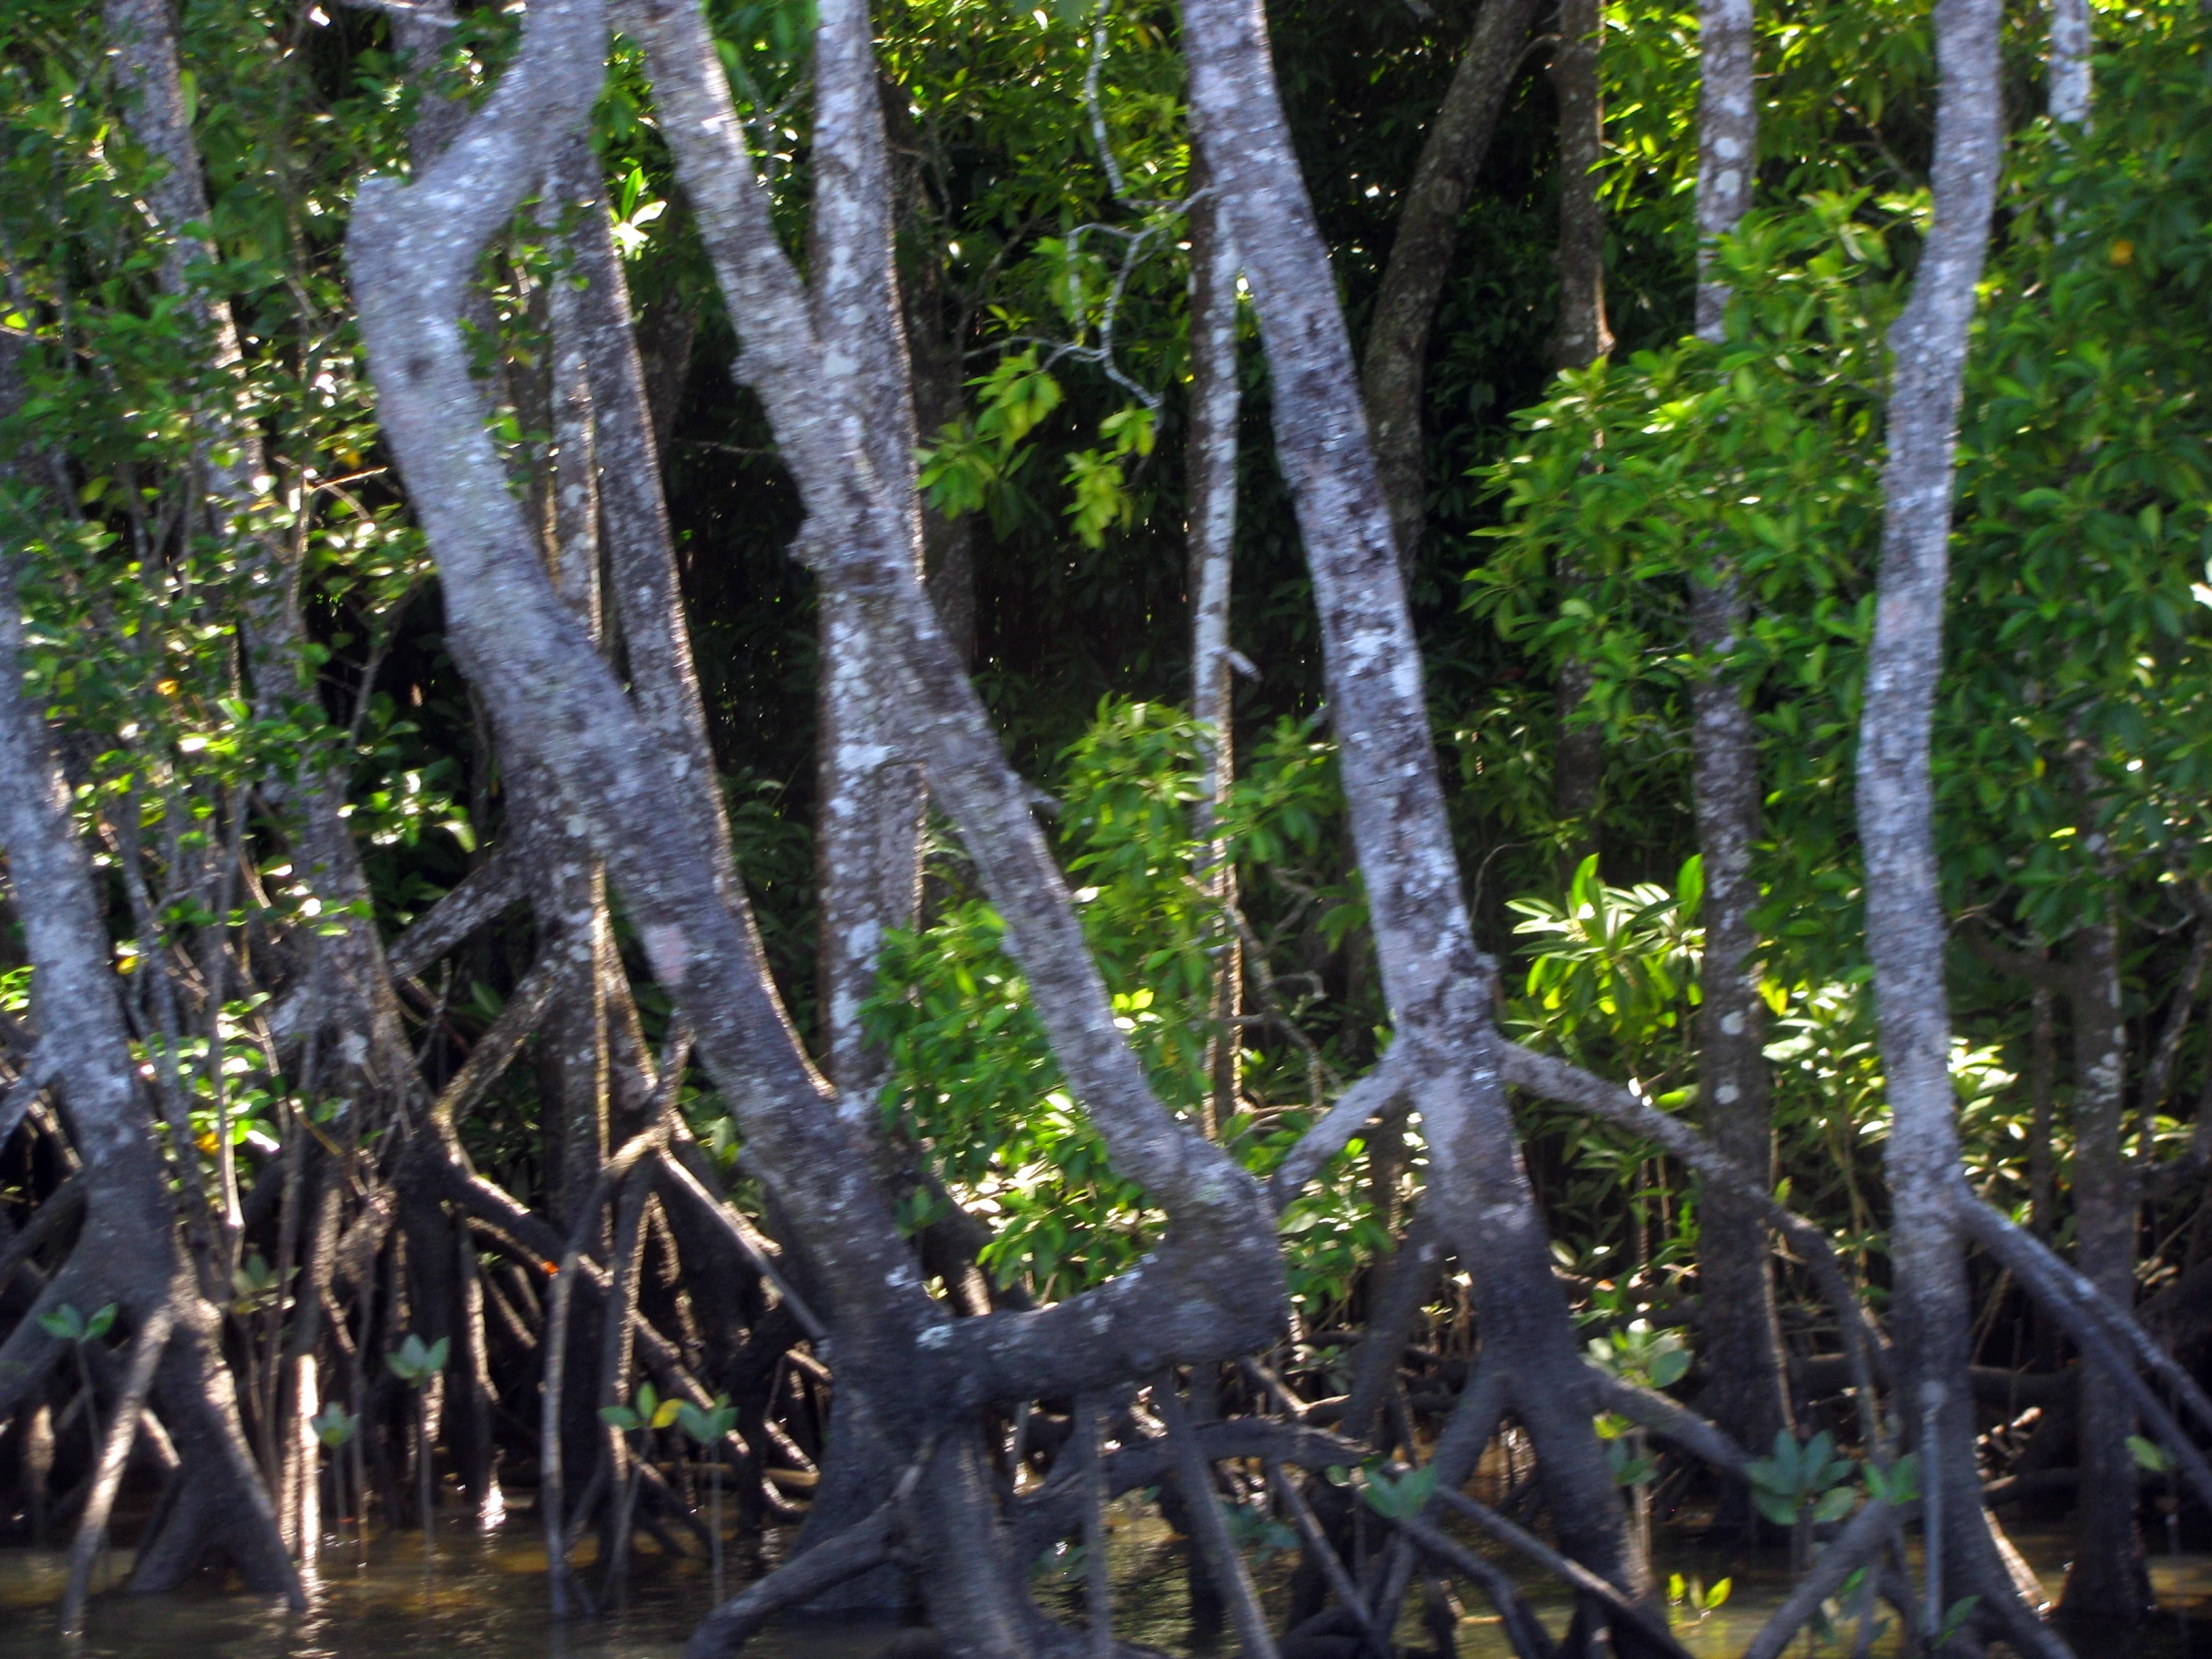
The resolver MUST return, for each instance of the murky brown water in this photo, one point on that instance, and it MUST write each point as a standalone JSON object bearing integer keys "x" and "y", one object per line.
{"x": 483, "y": 1597}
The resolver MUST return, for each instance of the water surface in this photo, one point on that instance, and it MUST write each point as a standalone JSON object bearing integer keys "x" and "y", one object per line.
{"x": 484, "y": 1597}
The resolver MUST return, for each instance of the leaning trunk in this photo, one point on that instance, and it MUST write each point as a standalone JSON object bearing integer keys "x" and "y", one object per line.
{"x": 1433, "y": 978}
{"x": 1932, "y": 1309}
{"x": 127, "y": 1250}
{"x": 1394, "y": 369}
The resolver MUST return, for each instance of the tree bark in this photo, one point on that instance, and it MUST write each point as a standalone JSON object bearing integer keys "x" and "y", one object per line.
{"x": 1932, "y": 1311}
{"x": 1580, "y": 336}
{"x": 869, "y": 829}
{"x": 1216, "y": 404}
{"x": 2067, "y": 61}
{"x": 126, "y": 1251}
{"x": 1727, "y": 143}
{"x": 1748, "y": 1388}
{"x": 1396, "y": 363}
{"x": 569, "y": 896}
{"x": 2109, "y": 1580}
{"x": 1433, "y": 976}
{"x": 870, "y": 817}
{"x": 1213, "y": 1287}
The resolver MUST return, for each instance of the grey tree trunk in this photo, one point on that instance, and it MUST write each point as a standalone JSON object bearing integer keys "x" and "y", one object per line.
{"x": 1216, "y": 404}
{"x": 871, "y": 799}
{"x": 1213, "y": 1287}
{"x": 1748, "y": 1389}
{"x": 1931, "y": 1310}
{"x": 1395, "y": 364}
{"x": 1432, "y": 975}
{"x": 1580, "y": 336}
{"x": 868, "y": 830}
{"x": 2109, "y": 1580}
{"x": 2067, "y": 61}
{"x": 366, "y": 1056}
{"x": 127, "y": 1250}
{"x": 1727, "y": 143}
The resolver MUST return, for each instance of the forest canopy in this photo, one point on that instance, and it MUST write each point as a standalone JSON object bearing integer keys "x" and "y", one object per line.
{"x": 1424, "y": 782}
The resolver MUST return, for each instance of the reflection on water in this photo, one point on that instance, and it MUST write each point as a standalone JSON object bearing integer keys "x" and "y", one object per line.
{"x": 483, "y": 1597}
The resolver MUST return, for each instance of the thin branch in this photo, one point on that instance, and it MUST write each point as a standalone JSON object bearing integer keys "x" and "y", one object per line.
{"x": 1226, "y": 1567}
{"x": 42, "y": 1068}
{"x": 749, "y": 1243}
{"x": 1321, "y": 1550}
{"x": 860, "y": 1547}
{"x": 1648, "y": 1624}
{"x": 2107, "y": 1334}
{"x": 500, "y": 1044}
{"x": 1530, "y": 1639}
{"x": 122, "y": 1429}
{"x": 1672, "y": 1420}
{"x": 485, "y": 891}
{"x": 1855, "y": 1547}
{"x": 1365, "y": 1100}
{"x": 1556, "y": 1080}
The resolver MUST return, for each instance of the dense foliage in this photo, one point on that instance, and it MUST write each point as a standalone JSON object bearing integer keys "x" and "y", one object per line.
{"x": 1044, "y": 169}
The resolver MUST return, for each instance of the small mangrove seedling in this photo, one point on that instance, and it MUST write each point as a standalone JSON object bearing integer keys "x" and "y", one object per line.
{"x": 2153, "y": 1458}
{"x": 73, "y": 1328}
{"x": 707, "y": 1429}
{"x": 1644, "y": 1358}
{"x": 1804, "y": 1485}
{"x": 333, "y": 1427}
{"x": 415, "y": 1364}
{"x": 646, "y": 1412}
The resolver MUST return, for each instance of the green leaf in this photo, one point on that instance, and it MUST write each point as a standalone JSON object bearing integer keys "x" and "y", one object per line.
{"x": 1954, "y": 1620}
{"x": 1901, "y": 1485}
{"x": 619, "y": 1418}
{"x": 63, "y": 1321}
{"x": 334, "y": 1425}
{"x": 1399, "y": 1497}
{"x": 100, "y": 1323}
{"x": 2150, "y": 1455}
{"x": 1781, "y": 1510}
{"x": 1689, "y": 887}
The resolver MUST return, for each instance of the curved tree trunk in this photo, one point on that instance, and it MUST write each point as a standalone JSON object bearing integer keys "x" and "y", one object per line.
{"x": 1932, "y": 1311}
{"x": 1213, "y": 1287}
{"x": 1396, "y": 363}
{"x": 1433, "y": 978}
{"x": 126, "y": 1251}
